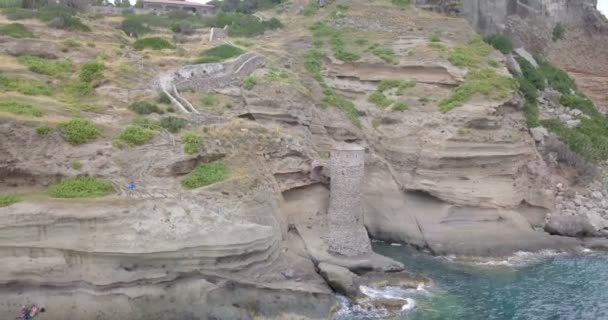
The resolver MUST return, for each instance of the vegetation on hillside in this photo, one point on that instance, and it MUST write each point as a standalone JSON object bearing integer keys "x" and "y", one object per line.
{"x": 206, "y": 174}
{"x": 20, "y": 108}
{"x": 471, "y": 55}
{"x": 8, "y": 199}
{"x": 134, "y": 135}
{"x": 381, "y": 101}
{"x": 79, "y": 131}
{"x": 16, "y": 30}
{"x": 192, "y": 143}
{"x": 153, "y": 43}
{"x": 23, "y": 85}
{"x": 81, "y": 187}
{"x": 219, "y": 54}
{"x": 53, "y": 68}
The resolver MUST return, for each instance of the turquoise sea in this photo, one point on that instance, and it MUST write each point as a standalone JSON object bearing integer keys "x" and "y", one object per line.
{"x": 526, "y": 287}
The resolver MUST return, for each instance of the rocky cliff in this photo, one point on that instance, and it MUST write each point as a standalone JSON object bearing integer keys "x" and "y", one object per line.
{"x": 531, "y": 24}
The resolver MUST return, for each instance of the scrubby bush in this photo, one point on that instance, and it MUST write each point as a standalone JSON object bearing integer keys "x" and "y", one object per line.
{"x": 183, "y": 28}
{"x": 219, "y": 54}
{"x": 500, "y": 42}
{"x": 209, "y": 100}
{"x": 146, "y": 123}
{"x": 380, "y": 100}
{"x": 557, "y": 78}
{"x": 249, "y": 82}
{"x": 16, "y": 30}
{"x": 486, "y": 82}
{"x": 154, "y": 43}
{"x": 311, "y": 8}
{"x": 531, "y": 73}
{"x": 78, "y": 89}
{"x": 134, "y": 28}
{"x": 70, "y": 23}
{"x": 24, "y": 86}
{"x": 76, "y": 165}
{"x": 401, "y": 3}
{"x": 43, "y": 130}
{"x": 91, "y": 71}
{"x": 250, "y": 26}
{"x": 81, "y": 187}
{"x": 173, "y": 124}
{"x": 558, "y": 32}
{"x": 71, "y": 43}
{"x": 136, "y": 135}
{"x": 435, "y": 37}
{"x": 587, "y": 171}
{"x": 79, "y": 131}
{"x": 527, "y": 89}
{"x": 144, "y": 107}
{"x": 8, "y": 199}
{"x": 13, "y": 13}
{"x": 20, "y": 108}
{"x": 206, "y": 174}
{"x": 532, "y": 112}
{"x": 163, "y": 98}
{"x": 400, "y": 106}
{"x": 53, "y": 68}
{"x": 386, "y": 54}
{"x": 192, "y": 143}
{"x": 584, "y": 104}
{"x": 471, "y": 55}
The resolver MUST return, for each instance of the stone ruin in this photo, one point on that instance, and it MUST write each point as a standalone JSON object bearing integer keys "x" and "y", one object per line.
{"x": 346, "y": 232}
{"x": 206, "y": 77}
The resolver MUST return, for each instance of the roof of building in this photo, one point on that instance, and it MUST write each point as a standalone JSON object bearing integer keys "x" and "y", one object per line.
{"x": 180, "y": 3}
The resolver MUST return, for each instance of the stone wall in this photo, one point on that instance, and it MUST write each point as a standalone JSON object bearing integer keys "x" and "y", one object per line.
{"x": 347, "y": 235}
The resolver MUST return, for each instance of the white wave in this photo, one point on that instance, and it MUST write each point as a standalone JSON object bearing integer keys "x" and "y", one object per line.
{"x": 395, "y": 244}
{"x": 409, "y": 305}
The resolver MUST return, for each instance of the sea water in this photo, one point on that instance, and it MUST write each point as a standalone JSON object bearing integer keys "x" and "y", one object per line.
{"x": 542, "y": 286}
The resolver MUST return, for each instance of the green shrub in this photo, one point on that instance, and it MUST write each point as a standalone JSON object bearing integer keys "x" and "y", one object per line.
{"x": 400, "y": 106}
{"x": 154, "y": 43}
{"x": 557, "y": 78}
{"x": 79, "y": 131}
{"x": 192, "y": 143}
{"x": 386, "y": 54}
{"x": 173, "y": 124}
{"x": 589, "y": 140}
{"x": 380, "y": 100}
{"x": 12, "y": 13}
{"x": 500, "y": 42}
{"x": 558, "y": 32}
{"x": 331, "y": 98}
{"x": 78, "y": 89}
{"x": 71, "y": 43}
{"x": 70, "y": 23}
{"x": 136, "y": 135}
{"x": 250, "y": 26}
{"x": 527, "y": 89}
{"x": 531, "y": 73}
{"x": 532, "y": 114}
{"x": 16, "y": 30}
{"x": 219, "y": 54}
{"x": 144, "y": 107}
{"x": 249, "y": 82}
{"x": 392, "y": 84}
{"x": 470, "y": 55}
{"x": 76, "y": 165}
{"x": 81, "y": 187}
{"x": 43, "y": 130}
{"x": 209, "y": 100}
{"x": 435, "y": 37}
{"x": 91, "y": 71}
{"x": 53, "y": 68}
{"x": 24, "y": 86}
{"x": 346, "y": 56}
{"x": 163, "y": 98}
{"x": 8, "y": 199}
{"x": 183, "y": 28}
{"x": 275, "y": 74}
{"x": 206, "y": 174}
{"x": 11, "y": 3}
{"x": 573, "y": 101}
{"x": 311, "y": 8}
{"x": 133, "y": 28}
{"x": 19, "y": 108}
{"x": 486, "y": 82}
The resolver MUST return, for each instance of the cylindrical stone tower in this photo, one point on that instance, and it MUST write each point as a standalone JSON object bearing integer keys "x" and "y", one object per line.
{"x": 346, "y": 232}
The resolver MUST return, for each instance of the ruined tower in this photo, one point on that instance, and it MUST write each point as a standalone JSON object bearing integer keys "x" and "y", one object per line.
{"x": 346, "y": 232}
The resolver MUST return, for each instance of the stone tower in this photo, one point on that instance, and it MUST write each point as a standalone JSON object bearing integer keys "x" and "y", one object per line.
{"x": 346, "y": 233}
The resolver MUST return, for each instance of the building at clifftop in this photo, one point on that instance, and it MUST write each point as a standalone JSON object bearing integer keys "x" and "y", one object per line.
{"x": 182, "y": 5}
